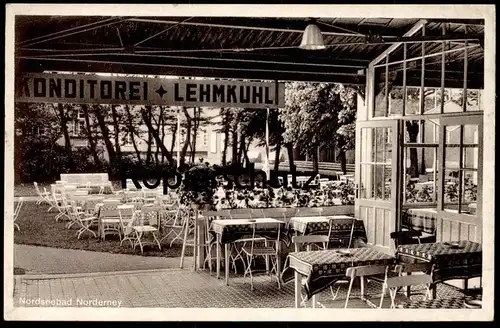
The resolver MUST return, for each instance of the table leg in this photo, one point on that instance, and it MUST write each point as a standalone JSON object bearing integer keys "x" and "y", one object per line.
{"x": 314, "y": 301}
{"x": 278, "y": 258}
{"x": 226, "y": 261}
{"x": 218, "y": 256}
{"x": 297, "y": 290}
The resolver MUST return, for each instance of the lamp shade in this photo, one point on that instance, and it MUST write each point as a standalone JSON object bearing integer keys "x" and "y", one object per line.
{"x": 312, "y": 38}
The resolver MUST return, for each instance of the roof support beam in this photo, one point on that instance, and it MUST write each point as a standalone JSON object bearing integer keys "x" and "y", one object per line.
{"x": 393, "y": 47}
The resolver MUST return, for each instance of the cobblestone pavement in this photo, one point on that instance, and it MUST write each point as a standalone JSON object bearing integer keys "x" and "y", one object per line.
{"x": 174, "y": 288}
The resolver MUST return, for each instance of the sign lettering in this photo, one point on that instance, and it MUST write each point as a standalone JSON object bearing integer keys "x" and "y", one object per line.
{"x": 71, "y": 88}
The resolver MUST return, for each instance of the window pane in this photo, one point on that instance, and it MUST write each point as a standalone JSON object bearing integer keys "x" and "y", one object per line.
{"x": 469, "y": 192}
{"x": 453, "y": 134}
{"x": 382, "y": 182}
{"x": 380, "y": 105}
{"x": 412, "y": 100}
{"x": 366, "y": 139}
{"x": 470, "y": 134}
{"x": 431, "y": 105}
{"x": 451, "y": 190}
{"x": 366, "y": 178}
{"x": 396, "y": 101}
{"x": 473, "y": 100}
{"x": 470, "y": 159}
{"x": 452, "y": 157}
{"x": 382, "y": 145}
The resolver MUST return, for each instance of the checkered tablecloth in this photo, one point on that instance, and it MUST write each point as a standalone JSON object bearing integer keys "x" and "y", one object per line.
{"x": 341, "y": 227}
{"x": 323, "y": 268}
{"x": 420, "y": 219}
{"x": 462, "y": 261}
{"x": 439, "y": 303}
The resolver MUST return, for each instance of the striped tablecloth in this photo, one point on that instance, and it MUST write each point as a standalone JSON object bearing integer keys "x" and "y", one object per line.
{"x": 323, "y": 268}
{"x": 451, "y": 262}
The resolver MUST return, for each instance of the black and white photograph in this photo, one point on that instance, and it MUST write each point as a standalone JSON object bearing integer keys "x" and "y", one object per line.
{"x": 215, "y": 162}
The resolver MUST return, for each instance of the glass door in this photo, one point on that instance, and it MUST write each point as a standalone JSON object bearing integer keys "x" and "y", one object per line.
{"x": 377, "y": 189}
{"x": 460, "y": 179}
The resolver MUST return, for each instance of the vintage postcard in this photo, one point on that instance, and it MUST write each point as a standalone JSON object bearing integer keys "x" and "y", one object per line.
{"x": 243, "y": 162}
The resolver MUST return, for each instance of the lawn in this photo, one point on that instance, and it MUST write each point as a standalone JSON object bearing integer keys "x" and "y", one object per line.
{"x": 39, "y": 228}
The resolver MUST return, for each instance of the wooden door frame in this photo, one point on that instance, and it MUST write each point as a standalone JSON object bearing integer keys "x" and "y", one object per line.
{"x": 394, "y": 204}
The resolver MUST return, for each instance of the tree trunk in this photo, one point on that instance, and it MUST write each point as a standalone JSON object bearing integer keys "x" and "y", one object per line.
{"x": 174, "y": 138}
{"x": 245, "y": 151}
{"x": 188, "y": 136}
{"x": 150, "y": 135}
{"x": 234, "y": 144}
{"x": 64, "y": 128}
{"x": 105, "y": 135}
{"x": 315, "y": 161}
{"x": 241, "y": 149}
{"x": 163, "y": 135}
{"x": 132, "y": 134}
{"x": 289, "y": 148}
{"x": 277, "y": 156}
{"x": 196, "y": 124}
{"x": 224, "y": 150}
{"x": 116, "y": 127}
{"x": 343, "y": 161}
{"x": 92, "y": 144}
{"x": 155, "y": 135}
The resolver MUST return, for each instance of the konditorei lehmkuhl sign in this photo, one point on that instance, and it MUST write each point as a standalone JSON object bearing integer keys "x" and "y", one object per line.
{"x": 79, "y": 88}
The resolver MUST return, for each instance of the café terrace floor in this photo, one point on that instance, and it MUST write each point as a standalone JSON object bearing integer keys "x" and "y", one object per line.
{"x": 183, "y": 288}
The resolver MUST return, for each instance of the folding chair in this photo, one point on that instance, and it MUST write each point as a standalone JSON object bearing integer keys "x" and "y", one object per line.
{"x": 262, "y": 250}
{"x": 142, "y": 225}
{"x": 394, "y": 284}
{"x": 406, "y": 237}
{"x": 83, "y": 221}
{"x": 109, "y": 219}
{"x": 17, "y": 210}
{"x": 339, "y": 225}
{"x": 44, "y": 197}
{"x": 175, "y": 223}
{"x": 126, "y": 214}
{"x": 60, "y": 205}
{"x": 362, "y": 272}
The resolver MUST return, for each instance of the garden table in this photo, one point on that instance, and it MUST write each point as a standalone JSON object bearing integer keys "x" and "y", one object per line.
{"x": 453, "y": 260}
{"x": 228, "y": 231}
{"x": 321, "y": 225}
{"x": 323, "y": 268}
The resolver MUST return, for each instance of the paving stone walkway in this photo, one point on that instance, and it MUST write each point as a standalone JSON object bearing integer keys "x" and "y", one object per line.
{"x": 48, "y": 260}
{"x": 175, "y": 288}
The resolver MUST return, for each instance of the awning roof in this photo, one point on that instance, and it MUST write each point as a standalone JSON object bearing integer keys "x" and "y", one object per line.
{"x": 230, "y": 47}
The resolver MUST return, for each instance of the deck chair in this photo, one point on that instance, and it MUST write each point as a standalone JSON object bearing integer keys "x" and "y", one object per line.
{"x": 257, "y": 248}
{"x": 394, "y": 284}
{"x": 43, "y": 197}
{"x": 363, "y": 272}
{"x": 17, "y": 210}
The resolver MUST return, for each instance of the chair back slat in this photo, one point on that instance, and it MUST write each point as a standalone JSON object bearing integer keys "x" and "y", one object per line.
{"x": 309, "y": 239}
{"x": 366, "y": 270}
{"x": 414, "y": 267}
{"x": 309, "y": 211}
{"x": 405, "y": 281}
